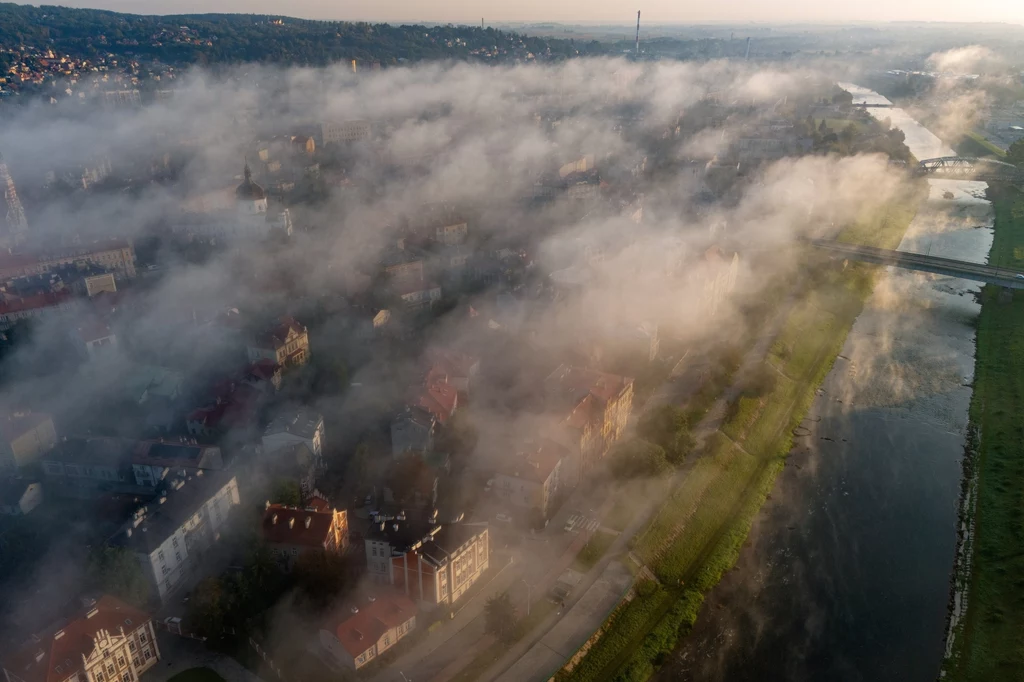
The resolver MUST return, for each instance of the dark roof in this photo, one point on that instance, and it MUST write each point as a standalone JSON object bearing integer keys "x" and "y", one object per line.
{"x": 94, "y": 451}
{"x": 402, "y": 535}
{"x": 249, "y": 190}
{"x": 176, "y": 454}
{"x": 163, "y": 520}
{"x": 64, "y": 645}
{"x": 276, "y": 335}
{"x": 449, "y": 540}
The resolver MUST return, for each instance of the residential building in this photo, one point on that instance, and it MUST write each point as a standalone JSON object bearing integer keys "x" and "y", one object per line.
{"x": 46, "y": 305}
{"x": 294, "y": 462}
{"x": 346, "y": 131}
{"x": 233, "y": 410}
{"x": 530, "y": 480}
{"x": 153, "y": 461}
{"x": 439, "y": 570}
{"x": 592, "y": 409}
{"x": 24, "y": 437}
{"x": 111, "y": 255}
{"x": 418, "y": 294}
{"x": 296, "y": 426}
{"x": 366, "y": 631}
{"x": 110, "y": 642}
{"x": 412, "y": 430}
{"x": 455, "y": 368}
{"x": 286, "y": 344}
{"x": 291, "y": 532}
{"x": 264, "y": 375}
{"x": 403, "y": 264}
{"x": 94, "y": 338}
{"x": 430, "y": 563}
{"x": 89, "y": 462}
{"x": 170, "y": 535}
{"x": 436, "y": 397}
{"x": 19, "y": 496}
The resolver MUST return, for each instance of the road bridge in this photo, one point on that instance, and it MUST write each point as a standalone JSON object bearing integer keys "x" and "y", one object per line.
{"x": 969, "y": 168}
{"x": 949, "y": 267}
{"x": 865, "y": 105}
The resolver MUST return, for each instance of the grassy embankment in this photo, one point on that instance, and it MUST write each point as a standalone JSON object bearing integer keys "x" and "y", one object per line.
{"x": 975, "y": 144}
{"x": 988, "y": 642}
{"x": 698, "y": 533}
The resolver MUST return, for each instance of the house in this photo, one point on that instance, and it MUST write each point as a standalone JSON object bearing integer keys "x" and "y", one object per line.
{"x": 93, "y": 338}
{"x": 436, "y": 397}
{"x": 170, "y": 535}
{"x": 234, "y": 409}
{"x": 366, "y": 631}
{"x": 439, "y": 568}
{"x": 412, "y": 430}
{"x": 291, "y": 531}
{"x": 531, "y": 479}
{"x": 457, "y": 369}
{"x": 263, "y": 375}
{"x": 286, "y": 343}
{"x": 109, "y": 642}
{"x": 89, "y": 462}
{"x": 24, "y": 437}
{"x": 296, "y": 426}
{"x": 402, "y": 264}
{"x": 293, "y": 461}
{"x": 35, "y": 306}
{"x": 418, "y": 293}
{"x": 592, "y": 409}
{"x": 153, "y": 461}
{"x": 19, "y": 496}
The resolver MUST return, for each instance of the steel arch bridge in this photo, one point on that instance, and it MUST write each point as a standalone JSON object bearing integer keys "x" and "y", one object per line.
{"x": 968, "y": 168}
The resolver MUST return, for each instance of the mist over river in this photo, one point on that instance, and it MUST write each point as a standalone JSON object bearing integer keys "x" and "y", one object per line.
{"x": 846, "y": 575}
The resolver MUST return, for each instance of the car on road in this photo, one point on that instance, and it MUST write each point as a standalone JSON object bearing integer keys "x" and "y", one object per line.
{"x": 1019, "y": 276}
{"x": 504, "y": 518}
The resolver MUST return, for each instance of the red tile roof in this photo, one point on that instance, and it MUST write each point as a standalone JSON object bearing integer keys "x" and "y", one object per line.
{"x": 263, "y": 369}
{"x": 76, "y": 641}
{"x": 34, "y": 302}
{"x": 363, "y": 629}
{"x": 439, "y": 399}
{"x": 451, "y": 362}
{"x": 287, "y": 526}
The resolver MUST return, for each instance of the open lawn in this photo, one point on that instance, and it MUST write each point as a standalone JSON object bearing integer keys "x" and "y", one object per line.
{"x": 989, "y": 640}
{"x": 593, "y": 551}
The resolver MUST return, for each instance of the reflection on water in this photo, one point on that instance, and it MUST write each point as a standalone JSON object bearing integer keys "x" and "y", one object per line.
{"x": 846, "y": 575}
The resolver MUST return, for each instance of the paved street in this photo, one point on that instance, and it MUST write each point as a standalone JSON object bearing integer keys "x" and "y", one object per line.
{"x": 178, "y": 654}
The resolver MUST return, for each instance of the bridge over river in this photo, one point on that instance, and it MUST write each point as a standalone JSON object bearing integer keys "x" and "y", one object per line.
{"x": 969, "y": 168}
{"x": 976, "y": 272}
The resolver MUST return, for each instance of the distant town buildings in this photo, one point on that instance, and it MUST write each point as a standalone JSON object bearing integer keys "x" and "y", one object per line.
{"x": 345, "y": 131}
{"x": 109, "y": 642}
{"x": 13, "y": 225}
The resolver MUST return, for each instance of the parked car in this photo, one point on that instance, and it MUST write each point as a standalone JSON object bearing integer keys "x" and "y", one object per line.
{"x": 504, "y": 518}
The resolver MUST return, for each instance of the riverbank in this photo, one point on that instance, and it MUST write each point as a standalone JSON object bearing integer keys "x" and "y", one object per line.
{"x": 697, "y": 535}
{"x": 987, "y": 607}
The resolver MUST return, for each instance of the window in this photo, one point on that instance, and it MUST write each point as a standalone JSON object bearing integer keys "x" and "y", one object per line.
{"x": 136, "y": 661}
{"x": 387, "y": 640}
{"x": 177, "y": 555}
{"x": 120, "y": 661}
{"x": 295, "y": 551}
{"x": 143, "y": 637}
{"x": 131, "y": 646}
{"x": 160, "y": 555}
{"x": 98, "y": 676}
{"x": 147, "y": 654}
{"x": 373, "y": 551}
{"x": 59, "y": 669}
{"x": 127, "y": 621}
{"x": 110, "y": 670}
{"x": 174, "y": 541}
{"x": 362, "y": 658}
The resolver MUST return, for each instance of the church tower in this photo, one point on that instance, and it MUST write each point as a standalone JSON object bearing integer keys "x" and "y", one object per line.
{"x": 13, "y": 226}
{"x": 251, "y": 198}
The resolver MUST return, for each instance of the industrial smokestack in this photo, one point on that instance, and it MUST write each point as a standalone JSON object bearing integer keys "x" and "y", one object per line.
{"x": 747, "y": 56}
{"x": 638, "y": 34}
{"x": 354, "y": 63}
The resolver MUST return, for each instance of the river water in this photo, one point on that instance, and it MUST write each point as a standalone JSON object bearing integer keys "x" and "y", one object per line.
{"x": 846, "y": 575}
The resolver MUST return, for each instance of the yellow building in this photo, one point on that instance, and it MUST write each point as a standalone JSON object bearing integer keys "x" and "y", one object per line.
{"x": 287, "y": 344}
{"x": 24, "y": 436}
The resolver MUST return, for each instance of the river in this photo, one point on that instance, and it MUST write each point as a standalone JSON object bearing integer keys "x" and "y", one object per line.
{"x": 846, "y": 574}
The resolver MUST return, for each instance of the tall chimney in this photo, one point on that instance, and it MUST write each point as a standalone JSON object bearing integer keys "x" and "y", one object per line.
{"x": 638, "y": 34}
{"x": 747, "y": 56}
{"x": 353, "y": 66}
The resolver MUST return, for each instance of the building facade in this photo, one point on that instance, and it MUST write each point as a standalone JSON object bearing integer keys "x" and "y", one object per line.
{"x": 24, "y": 438}
{"x": 110, "y": 642}
{"x": 369, "y": 630}
{"x": 291, "y": 532}
{"x": 286, "y": 344}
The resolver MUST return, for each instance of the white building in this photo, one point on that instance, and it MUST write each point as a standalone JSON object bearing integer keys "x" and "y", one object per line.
{"x": 170, "y": 535}
{"x": 19, "y": 496}
{"x": 346, "y": 131}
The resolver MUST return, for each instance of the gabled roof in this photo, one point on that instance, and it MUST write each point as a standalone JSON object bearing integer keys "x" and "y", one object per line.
{"x": 263, "y": 369}
{"x": 293, "y": 526}
{"x": 34, "y": 302}
{"x": 452, "y": 363}
{"x": 361, "y": 631}
{"x": 437, "y": 398}
{"x": 574, "y": 384}
{"x": 536, "y": 463}
{"x": 276, "y": 335}
{"x": 64, "y": 646}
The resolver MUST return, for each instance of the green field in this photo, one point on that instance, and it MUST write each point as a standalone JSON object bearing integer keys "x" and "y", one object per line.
{"x": 974, "y": 144}
{"x": 699, "y": 530}
{"x": 989, "y": 641}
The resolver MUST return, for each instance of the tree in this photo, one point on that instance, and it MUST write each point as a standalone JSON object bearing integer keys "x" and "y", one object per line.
{"x": 210, "y": 607}
{"x": 500, "y": 617}
{"x": 410, "y": 476}
{"x": 287, "y": 492}
{"x": 322, "y": 576}
{"x": 822, "y": 127}
{"x": 842, "y": 99}
{"x": 116, "y": 571}
{"x": 1015, "y": 153}
{"x": 637, "y": 458}
{"x": 668, "y": 427}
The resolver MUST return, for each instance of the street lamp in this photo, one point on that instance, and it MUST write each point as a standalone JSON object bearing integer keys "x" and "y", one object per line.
{"x": 523, "y": 580}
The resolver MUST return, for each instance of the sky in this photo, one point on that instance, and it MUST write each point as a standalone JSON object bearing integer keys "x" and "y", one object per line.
{"x": 591, "y": 11}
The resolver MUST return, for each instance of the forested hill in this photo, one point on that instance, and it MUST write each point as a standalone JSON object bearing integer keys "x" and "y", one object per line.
{"x": 230, "y": 38}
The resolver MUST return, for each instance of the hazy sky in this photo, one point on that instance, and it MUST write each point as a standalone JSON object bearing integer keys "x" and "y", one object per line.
{"x": 605, "y": 11}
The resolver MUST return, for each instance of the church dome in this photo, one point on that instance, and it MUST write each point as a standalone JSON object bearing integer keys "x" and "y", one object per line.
{"x": 249, "y": 190}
